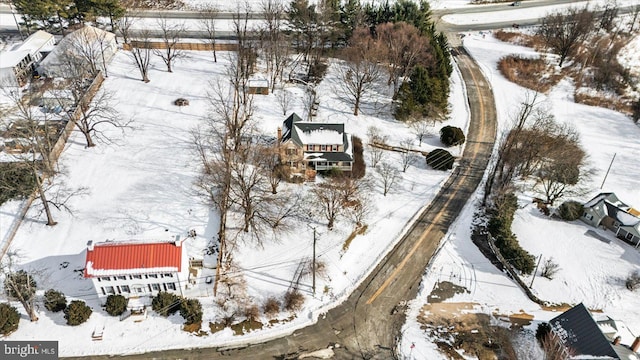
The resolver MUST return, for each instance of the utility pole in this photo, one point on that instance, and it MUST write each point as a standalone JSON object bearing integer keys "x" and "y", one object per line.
{"x": 314, "y": 263}
{"x": 535, "y": 271}
{"x": 605, "y": 175}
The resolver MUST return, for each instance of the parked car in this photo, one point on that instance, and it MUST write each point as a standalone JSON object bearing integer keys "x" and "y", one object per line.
{"x": 515, "y": 3}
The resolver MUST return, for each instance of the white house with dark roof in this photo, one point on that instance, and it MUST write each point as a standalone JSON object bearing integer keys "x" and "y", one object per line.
{"x": 608, "y": 211}
{"x": 137, "y": 268}
{"x": 307, "y": 147}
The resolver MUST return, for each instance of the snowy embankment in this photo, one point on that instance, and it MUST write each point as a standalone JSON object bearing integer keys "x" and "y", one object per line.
{"x": 591, "y": 271}
{"x": 141, "y": 187}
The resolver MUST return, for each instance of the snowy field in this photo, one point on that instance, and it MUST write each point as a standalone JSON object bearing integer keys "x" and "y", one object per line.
{"x": 592, "y": 271}
{"x": 141, "y": 187}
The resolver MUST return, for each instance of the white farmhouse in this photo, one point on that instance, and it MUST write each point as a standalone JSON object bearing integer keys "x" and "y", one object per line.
{"x": 136, "y": 269}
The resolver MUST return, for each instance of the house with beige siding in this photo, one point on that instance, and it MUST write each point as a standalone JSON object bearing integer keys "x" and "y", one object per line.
{"x": 309, "y": 147}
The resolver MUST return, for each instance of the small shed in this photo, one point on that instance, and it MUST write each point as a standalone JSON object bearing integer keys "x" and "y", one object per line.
{"x": 258, "y": 86}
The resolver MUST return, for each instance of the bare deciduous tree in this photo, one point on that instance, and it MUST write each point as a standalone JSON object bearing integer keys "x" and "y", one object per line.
{"x": 141, "y": 53}
{"x": 93, "y": 112}
{"x": 329, "y": 201}
{"x": 407, "y": 157}
{"x": 563, "y": 32}
{"x": 376, "y": 153}
{"x": 275, "y": 44}
{"x": 402, "y": 47}
{"x": 90, "y": 46}
{"x": 421, "y": 127}
{"x": 19, "y": 285}
{"x": 360, "y": 71}
{"x": 635, "y": 15}
{"x": 171, "y": 34}
{"x": 284, "y": 100}
{"x": 208, "y": 19}
{"x": 389, "y": 176}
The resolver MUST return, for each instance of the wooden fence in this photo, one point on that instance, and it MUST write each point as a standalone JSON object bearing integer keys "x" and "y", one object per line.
{"x": 180, "y": 46}
{"x": 56, "y": 151}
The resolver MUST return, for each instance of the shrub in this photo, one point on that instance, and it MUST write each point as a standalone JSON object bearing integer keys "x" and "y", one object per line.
{"x": 9, "y": 319}
{"x": 271, "y": 307}
{"x": 77, "y": 313}
{"x": 633, "y": 281}
{"x": 293, "y": 300}
{"x": 165, "y": 303}
{"x": 252, "y": 312}
{"x": 549, "y": 269}
{"x": 191, "y": 311}
{"x": 440, "y": 159}
{"x": 358, "y": 169}
{"x": 116, "y": 305}
{"x": 54, "y": 300}
{"x": 451, "y": 136}
{"x": 570, "y": 210}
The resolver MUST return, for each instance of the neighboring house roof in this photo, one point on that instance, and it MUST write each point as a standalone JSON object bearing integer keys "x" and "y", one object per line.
{"x": 36, "y": 41}
{"x": 608, "y": 204}
{"x": 9, "y": 59}
{"x": 88, "y": 38}
{"x": 118, "y": 258}
{"x": 577, "y": 330}
{"x": 316, "y": 133}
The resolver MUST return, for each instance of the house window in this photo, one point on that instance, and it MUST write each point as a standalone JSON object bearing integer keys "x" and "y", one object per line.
{"x": 138, "y": 289}
{"x": 122, "y": 278}
{"x": 136, "y": 276}
{"x": 109, "y": 290}
{"x": 168, "y": 275}
{"x": 171, "y": 286}
{"x": 125, "y": 288}
{"x": 334, "y": 148}
{"x": 293, "y": 164}
{"x": 104, "y": 278}
{"x": 310, "y": 147}
{"x": 103, "y": 292}
{"x": 323, "y": 147}
{"x": 292, "y": 151}
{"x": 155, "y": 287}
{"x": 155, "y": 276}
{"x": 629, "y": 236}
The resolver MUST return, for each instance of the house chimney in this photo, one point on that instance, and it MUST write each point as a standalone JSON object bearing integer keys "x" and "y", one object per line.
{"x": 177, "y": 242}
{"x": 279, "y": 134}
{"x": 90, "y": 245}
{"x": 636, "y": 345}
{"x": 617, "y": 340}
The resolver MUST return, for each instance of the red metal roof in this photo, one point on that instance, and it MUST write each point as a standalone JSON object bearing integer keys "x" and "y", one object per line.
{"x": 116, "y": 256}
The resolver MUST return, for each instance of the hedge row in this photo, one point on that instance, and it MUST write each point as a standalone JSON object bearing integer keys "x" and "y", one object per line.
{"x": 500, "y": 228}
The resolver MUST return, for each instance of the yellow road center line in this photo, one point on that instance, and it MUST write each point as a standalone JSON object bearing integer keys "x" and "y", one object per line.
{"x": 435, "y": 220}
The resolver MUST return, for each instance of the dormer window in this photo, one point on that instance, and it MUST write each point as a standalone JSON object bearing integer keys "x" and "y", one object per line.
{"x": 323, "y": 147}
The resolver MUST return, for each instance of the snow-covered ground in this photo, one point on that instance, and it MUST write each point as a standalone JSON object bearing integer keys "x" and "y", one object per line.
{"x": 141, "y": 187}
{"x": 592, "y": 271}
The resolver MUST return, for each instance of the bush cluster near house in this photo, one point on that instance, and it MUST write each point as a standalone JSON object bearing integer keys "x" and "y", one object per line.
{"x": 54, "y": 300}
{"x": 191, "y": 311}
{"x": 440, "y": 159}
{"x": 116, "y": 305}
{"x": 570, "y": 210}
{"x": 166, "y": 303}
{"x": 77, "y": 313}
{"x": 9, "y": 319}
{"x": 452, "y": 136}
{"x": 499, "y": 227}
